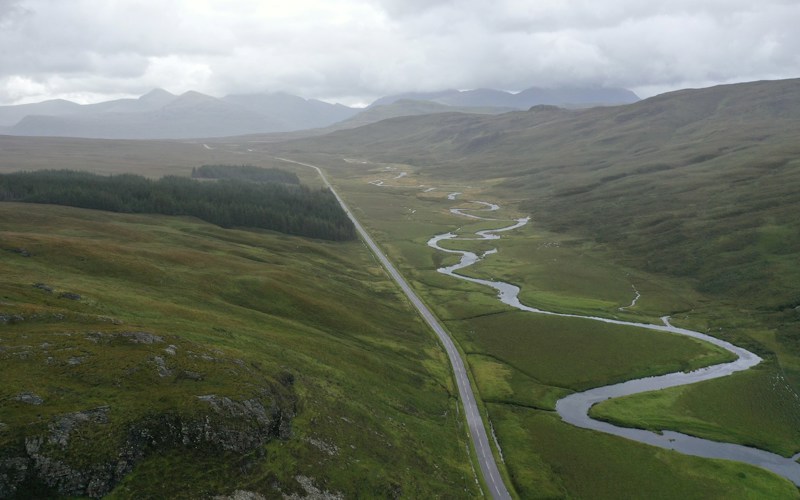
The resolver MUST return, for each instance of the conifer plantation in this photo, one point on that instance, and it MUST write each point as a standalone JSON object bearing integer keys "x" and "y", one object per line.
{"x": 284, "y": 206}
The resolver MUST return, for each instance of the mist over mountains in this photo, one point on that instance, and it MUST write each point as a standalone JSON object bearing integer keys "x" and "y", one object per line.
{"x": 568, "y": 97}
{"x": 162, "y": 115}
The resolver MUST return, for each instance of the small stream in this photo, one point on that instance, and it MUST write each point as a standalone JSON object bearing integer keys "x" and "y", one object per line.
{"x": 575, "y": 407}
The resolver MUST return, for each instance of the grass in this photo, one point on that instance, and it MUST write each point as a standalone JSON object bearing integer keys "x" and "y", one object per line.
{"x": 554, "y": 460}
{"x": 577, "y": 354}
{"x": 244, "y": 310}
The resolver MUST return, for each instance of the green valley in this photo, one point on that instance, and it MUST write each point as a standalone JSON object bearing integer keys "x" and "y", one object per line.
{"x": 523, "y": 363}
{"x": 284, "y": 365}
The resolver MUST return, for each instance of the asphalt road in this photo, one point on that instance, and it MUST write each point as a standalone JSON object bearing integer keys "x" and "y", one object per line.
{"x": 480, "y": 440}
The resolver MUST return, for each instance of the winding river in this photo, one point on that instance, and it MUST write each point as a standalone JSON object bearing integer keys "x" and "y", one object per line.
{"x": 575, "y": 407}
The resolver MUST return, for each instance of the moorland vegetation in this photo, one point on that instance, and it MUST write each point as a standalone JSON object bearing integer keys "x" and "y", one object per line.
{"x": 150, "y": 356}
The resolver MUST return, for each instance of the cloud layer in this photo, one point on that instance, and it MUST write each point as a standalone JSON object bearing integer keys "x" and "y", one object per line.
{"x": 356, "y": 50}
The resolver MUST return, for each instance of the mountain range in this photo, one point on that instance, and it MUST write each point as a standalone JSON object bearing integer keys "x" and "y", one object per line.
{"x": 162, "y": 115}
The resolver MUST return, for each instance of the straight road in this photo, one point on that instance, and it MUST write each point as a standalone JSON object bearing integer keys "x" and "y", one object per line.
{"x": 476, "y": 428}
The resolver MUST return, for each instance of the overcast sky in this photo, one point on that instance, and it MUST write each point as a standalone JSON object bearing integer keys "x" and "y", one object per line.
{"x": 353, "y": 51}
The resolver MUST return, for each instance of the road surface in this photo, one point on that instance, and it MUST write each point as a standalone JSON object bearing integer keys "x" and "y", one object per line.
{"x": 491, "y": 474}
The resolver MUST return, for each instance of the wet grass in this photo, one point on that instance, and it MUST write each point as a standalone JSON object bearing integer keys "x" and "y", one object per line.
{"x": 550, "y": 459}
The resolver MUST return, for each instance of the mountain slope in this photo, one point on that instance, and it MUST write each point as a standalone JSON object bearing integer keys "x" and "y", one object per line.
{"x": 156, "y": 98}
{"x": 294, "y": 112}
{"x": 10, "y": 115}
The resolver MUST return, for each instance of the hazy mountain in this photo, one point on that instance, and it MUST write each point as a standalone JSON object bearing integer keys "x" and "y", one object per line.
{"x": 415, "y": 96}
{"x": 410, "y": 107}
{"x": 575, "y": 97}
{"x": 155, "y": 99}
{"x": 10, "y": 115}
{"x": 294, "y": 112}
{"x": 189, "y": 115}
{"x": 161, "y": 115}
{"x": 151, "y": 101}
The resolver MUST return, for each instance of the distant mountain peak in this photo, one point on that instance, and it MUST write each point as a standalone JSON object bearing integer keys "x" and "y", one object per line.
{"x": 157, "y": 94}
{"x": 192, "y": 98}
{"x": 193, "y": 94}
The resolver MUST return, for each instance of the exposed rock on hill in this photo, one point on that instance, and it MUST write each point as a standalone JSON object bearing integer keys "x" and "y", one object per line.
{"x": 227, "y": 425}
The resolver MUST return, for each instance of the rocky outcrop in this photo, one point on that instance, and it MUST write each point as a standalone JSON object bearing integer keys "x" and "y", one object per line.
{"x": 143, "y": 337}
{"x": 241, "y": 495}
{"x": 226, "y": 424}
{"x": 312, "y": 492}
{"x": 44, "y": 287}
{"x": 6, "y": 318}
{"x": 29, "y": 398}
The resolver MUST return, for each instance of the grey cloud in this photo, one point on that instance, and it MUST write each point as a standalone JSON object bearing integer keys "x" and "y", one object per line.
{"x": 8, "y": 6}
{"x": 10, "y": 13}
{"x": 364, "y": 48}
{"x": 412, "y": 8}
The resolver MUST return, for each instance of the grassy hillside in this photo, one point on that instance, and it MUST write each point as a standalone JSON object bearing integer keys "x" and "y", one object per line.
{"x": 153, "y": 357}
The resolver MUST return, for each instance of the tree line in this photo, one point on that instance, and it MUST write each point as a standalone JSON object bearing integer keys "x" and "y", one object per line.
{"x": 287, "y": 208}
{"x": 245, "y": 173}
